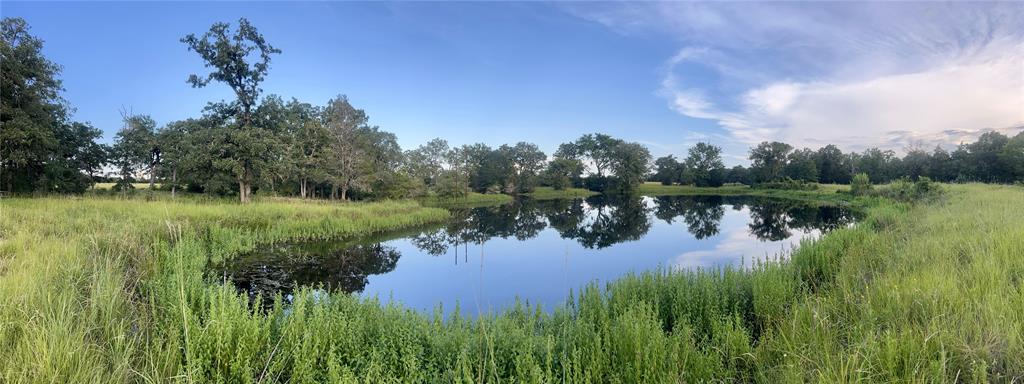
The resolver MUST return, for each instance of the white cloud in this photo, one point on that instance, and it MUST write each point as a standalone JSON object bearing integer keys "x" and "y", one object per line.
{"x": 941, "y": 105}
{"x": 853, "y": 74}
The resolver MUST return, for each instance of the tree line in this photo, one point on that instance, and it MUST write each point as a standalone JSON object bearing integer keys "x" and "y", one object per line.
{"x": 993, "y": 158}
{"x": 290, "y": 147}
{"x": 258, "y": 142}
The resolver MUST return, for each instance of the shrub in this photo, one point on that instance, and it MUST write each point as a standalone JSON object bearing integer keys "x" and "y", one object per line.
{"x": 907, "y": 190}
{"x": 861, "y": 184}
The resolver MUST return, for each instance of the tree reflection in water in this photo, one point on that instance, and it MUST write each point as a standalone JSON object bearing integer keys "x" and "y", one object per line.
{"x": 702, "y": 214}
{"x": 602, "y": 221}
{"x": 596, "y": 222}
{"x": 335, "y": 266}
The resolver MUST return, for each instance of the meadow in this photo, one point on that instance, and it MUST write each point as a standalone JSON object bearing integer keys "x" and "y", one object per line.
{"x": 101, "y": 289}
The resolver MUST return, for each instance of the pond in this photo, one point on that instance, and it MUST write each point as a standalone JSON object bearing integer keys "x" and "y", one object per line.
{"x": 538, "y": 251}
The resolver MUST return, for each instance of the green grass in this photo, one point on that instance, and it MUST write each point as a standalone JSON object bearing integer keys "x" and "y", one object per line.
{"x": 104, "y": 290}
{"x": 548, "y": 193}
{"x": 827, "y": 193}
{"x": 472, "y": 200}
{"x": 80, "y": 278}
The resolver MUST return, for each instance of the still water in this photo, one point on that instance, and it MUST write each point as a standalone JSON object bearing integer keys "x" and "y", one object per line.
{"x": 484, "y": 258}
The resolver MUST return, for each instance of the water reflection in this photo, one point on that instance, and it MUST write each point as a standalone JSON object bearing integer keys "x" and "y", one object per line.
{"x": 702, "y": 214}
{"x": 334, "y": 265}
{"x": 527, "y": 235}
{"x": 600, "y": 221}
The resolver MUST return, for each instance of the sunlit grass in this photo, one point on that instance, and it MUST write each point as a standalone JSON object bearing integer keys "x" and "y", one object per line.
{"x": 548, "y": 193}
{"x": 74, "y": 272}
{"x": 824, "y": 192}
{"x": 473, "y": 199}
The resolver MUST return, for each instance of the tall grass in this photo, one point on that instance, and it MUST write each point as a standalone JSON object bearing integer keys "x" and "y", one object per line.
{"x": 74, "y": 273}
{"x": 918, "y": 292}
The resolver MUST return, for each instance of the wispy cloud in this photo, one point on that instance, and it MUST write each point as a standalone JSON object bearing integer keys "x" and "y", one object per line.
{"x": 854, "y": 74}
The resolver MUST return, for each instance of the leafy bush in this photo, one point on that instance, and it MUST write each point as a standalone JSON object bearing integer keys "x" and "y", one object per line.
{"x": 907, "y": 190}
{"x": 861, "y": 184}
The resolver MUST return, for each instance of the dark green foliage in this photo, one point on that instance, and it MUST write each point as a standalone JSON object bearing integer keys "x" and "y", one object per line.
{"x": 983, "y": 162}
{"x": 629, "y": 166}
{"x": 563, "y": 173}
{"x": 832, "y": 165}
{"x": 704, "y": 167}
{"x": 738, "y": 175}
{"x": 40, "y": 149}
{"x": 667, "y": 170}
{"x": 881, "y": 166}
{"x": 941, "y": 166}
{"x": 1012, "y": 156}
{"x": 916, "y": 163}
{"x": 801, "y": 165}
{"x": 768, "y": 161}
{"x": 526, "y": 162}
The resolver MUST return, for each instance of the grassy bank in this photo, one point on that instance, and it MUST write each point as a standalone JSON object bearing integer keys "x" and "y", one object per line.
{"x": 80, "y": 278}
{"x": 469, "y": 201}
{"x": 100, "y": 290}
{"x": 824, "y": 192}
{"x": 548, "y": 193}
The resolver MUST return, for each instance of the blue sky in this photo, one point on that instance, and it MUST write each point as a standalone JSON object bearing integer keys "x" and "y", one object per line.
{"x": 664, "y": 74}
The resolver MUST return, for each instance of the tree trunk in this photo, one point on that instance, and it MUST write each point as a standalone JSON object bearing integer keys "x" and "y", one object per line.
{"x": 244, "y": 190}
{"x": 152, "y": 177}
{"x": 334, "y": 191}
{"x": 244, "y": 183}
{"x": 174, "y": 182}
{"x": 302, "y": 188}
{"x": 344, "y": 191}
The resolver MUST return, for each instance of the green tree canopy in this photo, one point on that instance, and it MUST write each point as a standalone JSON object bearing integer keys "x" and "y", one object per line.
{"x": 240, "y": 59}
{"x": 769, "y": 160}
{"x": 40, "y": 150}
{"x": 704, "y": 165}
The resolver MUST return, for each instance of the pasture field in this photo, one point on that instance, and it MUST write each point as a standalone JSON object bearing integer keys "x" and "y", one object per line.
{"x": 110, "y": 290}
